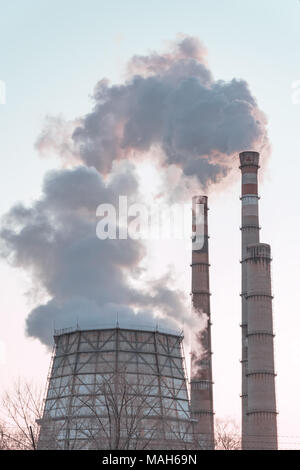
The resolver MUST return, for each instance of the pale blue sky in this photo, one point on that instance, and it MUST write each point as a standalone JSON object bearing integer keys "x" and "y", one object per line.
{"x": 53, "y": 53}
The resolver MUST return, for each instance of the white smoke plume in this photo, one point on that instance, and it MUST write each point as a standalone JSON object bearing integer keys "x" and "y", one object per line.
{"x": 198, "y": 341}
{"x": 86, "y": 279}
{"x": 170, "y": 102}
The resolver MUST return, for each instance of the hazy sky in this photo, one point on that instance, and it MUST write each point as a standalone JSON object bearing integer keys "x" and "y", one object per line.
{"x": 52, "y": 55}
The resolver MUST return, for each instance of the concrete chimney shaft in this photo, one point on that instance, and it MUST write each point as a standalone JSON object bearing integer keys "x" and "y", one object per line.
{"x": 249, "y": 165}
{"x": 201, "y": 363}
{"x": 259, "y": 428}
{"x": 262, "y": 415}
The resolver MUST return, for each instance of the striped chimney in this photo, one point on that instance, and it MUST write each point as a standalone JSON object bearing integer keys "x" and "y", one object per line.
{"x": 249, "y": 165}
{"x": 255, "y": 273}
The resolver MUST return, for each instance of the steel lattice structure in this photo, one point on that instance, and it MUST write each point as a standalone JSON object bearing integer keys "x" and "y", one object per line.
{"x": 116, "y": 388}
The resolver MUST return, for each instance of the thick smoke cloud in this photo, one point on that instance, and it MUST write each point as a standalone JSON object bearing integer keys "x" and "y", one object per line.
{"x": 171, "y": 101}
{"x": 86, "y": 279}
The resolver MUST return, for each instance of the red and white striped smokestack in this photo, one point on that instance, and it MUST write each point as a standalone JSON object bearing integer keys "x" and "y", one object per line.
{"x": 249, "y": 165}
{"x": 201, "y": 363}
{"x": 259, "y": 419}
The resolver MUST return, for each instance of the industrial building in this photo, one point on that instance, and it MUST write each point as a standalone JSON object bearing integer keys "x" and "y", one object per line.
{"x": 119, "y": 388}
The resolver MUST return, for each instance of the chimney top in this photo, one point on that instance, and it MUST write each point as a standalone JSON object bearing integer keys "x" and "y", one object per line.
{"x": 249, "y": 158}
{"x": 200, "y": 200}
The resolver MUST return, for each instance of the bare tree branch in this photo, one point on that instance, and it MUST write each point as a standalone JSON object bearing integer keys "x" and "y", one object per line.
{"x": 22, "y": 406}
{"x": 227, "y": 435}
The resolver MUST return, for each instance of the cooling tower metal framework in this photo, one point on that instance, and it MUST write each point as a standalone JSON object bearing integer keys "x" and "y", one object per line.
{"x": 117, "y": 389}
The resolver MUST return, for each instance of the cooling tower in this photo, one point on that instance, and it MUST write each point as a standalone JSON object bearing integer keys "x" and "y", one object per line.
{"x": 258, "y": 418}
{"x": 116, "y": 389}
{"x": 201, "y": 363}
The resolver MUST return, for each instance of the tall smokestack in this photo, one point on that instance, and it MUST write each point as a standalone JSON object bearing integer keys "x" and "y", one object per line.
{"x": 262, "y": 415}
{"x": 251, "y": 305}
{"x": 250, "y": 234}
{"x": 201, "y": 364}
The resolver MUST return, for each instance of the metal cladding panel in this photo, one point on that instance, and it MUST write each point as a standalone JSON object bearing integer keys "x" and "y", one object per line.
{"x": 89, "y": 364}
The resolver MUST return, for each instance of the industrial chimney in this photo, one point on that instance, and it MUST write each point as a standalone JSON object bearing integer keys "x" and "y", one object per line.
{"x": 201, "y": 364}
{"x": 262, "y": 415}
{"x": 259, "y": 417}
